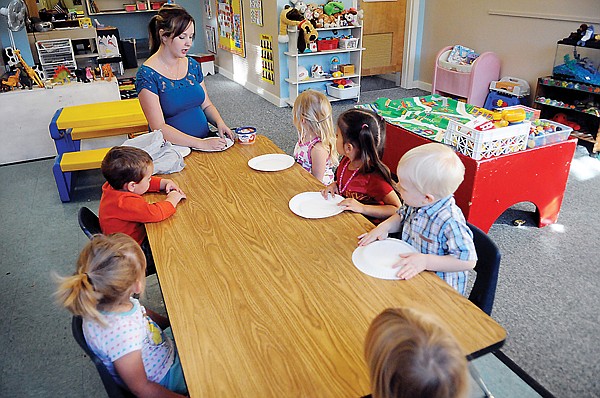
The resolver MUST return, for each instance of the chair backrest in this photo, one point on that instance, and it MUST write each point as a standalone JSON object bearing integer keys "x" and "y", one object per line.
{"x": 487, "y": 268}
{"x": 89, "y": 223}
{"x": 113, "y": 389}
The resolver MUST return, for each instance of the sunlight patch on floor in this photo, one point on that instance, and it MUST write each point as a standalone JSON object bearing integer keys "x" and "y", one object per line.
{"x": 585, "y": 168}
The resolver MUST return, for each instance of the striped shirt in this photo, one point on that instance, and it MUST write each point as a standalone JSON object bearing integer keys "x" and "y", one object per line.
{"x": 440, "y": 228}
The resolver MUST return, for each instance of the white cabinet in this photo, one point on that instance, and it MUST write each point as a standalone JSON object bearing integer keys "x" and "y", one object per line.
{"x": 346, "y": 56}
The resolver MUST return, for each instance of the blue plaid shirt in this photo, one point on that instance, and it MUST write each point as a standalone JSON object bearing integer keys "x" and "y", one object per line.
{"x": 440, "y": 228}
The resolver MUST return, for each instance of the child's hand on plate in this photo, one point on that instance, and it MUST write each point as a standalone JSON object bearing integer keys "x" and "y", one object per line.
{"x": 330, "y": 191}
{"x": 377, "y": 233}
{"x": 352, "y": 205}
{"x": 411, "y": 264}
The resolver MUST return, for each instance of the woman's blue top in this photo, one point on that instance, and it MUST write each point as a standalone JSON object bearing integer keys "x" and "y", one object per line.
{"x": 180, "y": 100}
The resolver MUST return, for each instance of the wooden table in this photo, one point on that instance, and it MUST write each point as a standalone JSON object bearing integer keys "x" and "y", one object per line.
{"x": 491, "y": 186}
{"x": 264, "y": 303}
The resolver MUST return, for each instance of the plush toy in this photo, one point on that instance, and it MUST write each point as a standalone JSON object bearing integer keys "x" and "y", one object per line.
{"x": 328, "y": 21}
{"x": 333, "y": 7}
{"x": 301, "y": 7}
{"x": 317, "y": 71}
{"x": 317, "y": 19}
{"x": 306, "y": 34}
{"x": 289, "y": 17}
{"x": 355, "y": 18}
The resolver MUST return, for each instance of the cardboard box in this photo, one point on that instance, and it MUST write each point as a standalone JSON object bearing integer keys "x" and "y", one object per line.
{"x": 347, "y": 69}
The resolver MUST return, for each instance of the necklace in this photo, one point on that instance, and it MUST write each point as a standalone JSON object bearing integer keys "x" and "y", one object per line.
{"x": 343, "y": 189}
{"x": 169, "y": 68}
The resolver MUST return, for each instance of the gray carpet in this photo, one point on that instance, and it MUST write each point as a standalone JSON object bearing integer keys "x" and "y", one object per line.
{"x": 547, "y": 295}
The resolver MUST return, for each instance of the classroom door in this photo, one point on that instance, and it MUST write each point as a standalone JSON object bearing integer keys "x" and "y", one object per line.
{"x": 383, "y": 36}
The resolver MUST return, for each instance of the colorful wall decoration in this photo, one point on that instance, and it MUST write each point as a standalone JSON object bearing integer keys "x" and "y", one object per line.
{"x": 266, "y": 54}
{"x": 211, "y": 39}
{"x": 256, "y": 12}
{"x": 231, "y": 28}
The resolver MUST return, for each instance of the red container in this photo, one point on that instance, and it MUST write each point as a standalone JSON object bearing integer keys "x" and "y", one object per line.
{"x": 156, "y": 5}
{"x": 327, "y": 44}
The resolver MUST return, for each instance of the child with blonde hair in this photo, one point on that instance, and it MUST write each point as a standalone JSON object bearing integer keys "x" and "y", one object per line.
{"x": 315, "y": 150}
{"x": 429, "y": 219}
{"x": 362, "y": 177}
{"x": 128, "y": 338}
{"x": 410, "y": 355}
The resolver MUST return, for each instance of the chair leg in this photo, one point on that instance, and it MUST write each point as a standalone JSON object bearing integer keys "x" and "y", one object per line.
{"x": 477, "y": 377}
{"x": 63, "y": 181}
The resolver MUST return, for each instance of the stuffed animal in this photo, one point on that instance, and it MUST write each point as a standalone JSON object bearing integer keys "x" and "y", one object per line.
{"x": 289, "y": 17}
{"x": 317, "y": 71}
{"x": 357, "y": 16}
{"x": 317, "y": 19}
{"x": 333, "y": 7}
{"x": 328, "y": 21}
{"x": 107, "y": 72}
{"x": 306, "y": 34}
{"x": 301, "y": 7}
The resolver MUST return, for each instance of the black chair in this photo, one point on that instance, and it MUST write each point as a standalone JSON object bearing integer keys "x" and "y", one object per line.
{"x": 113, "y": 389}
{"x": 487, "y": 267}
{"x": 89, "y": 223}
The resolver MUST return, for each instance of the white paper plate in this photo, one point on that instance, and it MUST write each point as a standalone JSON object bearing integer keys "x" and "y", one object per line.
{"x": 376, "y": 258}
{"x": 229, "y": 144}
{"x": 183, "y": 150}
{"x": 271, "y": 162}
{"x": 313, "y": 205}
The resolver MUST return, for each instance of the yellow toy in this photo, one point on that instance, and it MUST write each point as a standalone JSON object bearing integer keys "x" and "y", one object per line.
{"x": 504, "y": 117}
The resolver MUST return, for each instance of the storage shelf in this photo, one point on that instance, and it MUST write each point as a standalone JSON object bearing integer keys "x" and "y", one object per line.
{"x": 567, "y": 108}
{"x": 586, "y": 88}
{"x": 322, "y": 79}
{"x": 120, "y": 12}
{"x": 336, "y": 51}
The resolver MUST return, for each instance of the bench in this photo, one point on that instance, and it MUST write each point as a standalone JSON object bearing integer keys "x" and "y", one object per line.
{"x": 67, "y": 163}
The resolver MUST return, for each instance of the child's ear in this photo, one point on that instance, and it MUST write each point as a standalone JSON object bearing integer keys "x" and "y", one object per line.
{"x": 429, "y": 199}
{"x": 130, "y": 186}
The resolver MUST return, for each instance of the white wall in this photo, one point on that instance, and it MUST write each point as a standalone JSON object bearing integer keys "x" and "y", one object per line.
{"x": 526, "y": 44}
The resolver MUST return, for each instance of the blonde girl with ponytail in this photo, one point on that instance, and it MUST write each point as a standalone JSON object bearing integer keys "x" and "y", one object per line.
{"x": 129, "y": 339}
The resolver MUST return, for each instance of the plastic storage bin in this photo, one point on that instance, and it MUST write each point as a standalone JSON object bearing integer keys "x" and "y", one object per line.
{"x": 343, "y": 93}
{"x": 327, "y": 44}
{"x": 486, "y": 144}
{"x": 348, "y": 43}
{"x": 549, "y": 138}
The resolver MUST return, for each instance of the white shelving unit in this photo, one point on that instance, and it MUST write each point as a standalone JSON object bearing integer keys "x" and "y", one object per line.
{"x": 53, "y": 53}
{"x": 323, "y": 58}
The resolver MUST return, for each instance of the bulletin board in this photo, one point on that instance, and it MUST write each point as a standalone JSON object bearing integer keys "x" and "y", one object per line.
{"x": 231, "y": 27}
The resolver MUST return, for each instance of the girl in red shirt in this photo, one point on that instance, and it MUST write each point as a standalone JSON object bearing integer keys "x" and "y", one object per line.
{"x": 361, "y": 176}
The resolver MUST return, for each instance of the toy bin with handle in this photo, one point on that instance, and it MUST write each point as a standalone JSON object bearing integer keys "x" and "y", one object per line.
{"x": 327, "y": 44}
{"x": 486, "y": 144}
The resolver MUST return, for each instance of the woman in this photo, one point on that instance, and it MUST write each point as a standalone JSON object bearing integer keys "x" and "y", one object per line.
{"x": 171, "y": 86}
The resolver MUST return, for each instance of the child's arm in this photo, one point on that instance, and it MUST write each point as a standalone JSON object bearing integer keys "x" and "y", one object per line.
{"x": 319, "y": 157}
{"x": 414, "y": 263}
{"x": 130, "y": 368}
{"x": 381, "y": 232}
{"x": 391, "y": 205}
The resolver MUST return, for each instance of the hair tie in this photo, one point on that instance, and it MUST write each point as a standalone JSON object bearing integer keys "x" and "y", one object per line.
{"x": 88, "y": 278}
{"x": 365, "y": 126}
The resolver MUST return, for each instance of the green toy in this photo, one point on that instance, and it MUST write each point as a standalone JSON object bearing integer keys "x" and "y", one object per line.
{"x": 333, "y": 7}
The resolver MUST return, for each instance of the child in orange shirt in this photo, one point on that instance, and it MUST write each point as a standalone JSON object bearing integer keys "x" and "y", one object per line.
{"x": 128, "y": 172}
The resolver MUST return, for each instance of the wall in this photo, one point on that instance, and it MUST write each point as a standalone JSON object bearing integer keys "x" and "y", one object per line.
{"x": 248, "y": 71}
{"x": 525, "y": 44}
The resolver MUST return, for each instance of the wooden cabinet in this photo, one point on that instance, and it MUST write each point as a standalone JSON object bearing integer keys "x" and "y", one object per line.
{"x": 579, "y": 102}
{"x": 346, "y": 56}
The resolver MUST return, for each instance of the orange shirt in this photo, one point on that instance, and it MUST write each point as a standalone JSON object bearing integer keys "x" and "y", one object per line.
{"x": 126, "y": 212}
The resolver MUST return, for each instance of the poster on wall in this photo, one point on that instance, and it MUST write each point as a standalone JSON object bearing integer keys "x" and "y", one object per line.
{"x": 231, "y": 29}
{"x": 266, "y": 54}
{"x": 208, "y": 9}
{"x": 256, "y": 12}
{"x": 211, "y": 39}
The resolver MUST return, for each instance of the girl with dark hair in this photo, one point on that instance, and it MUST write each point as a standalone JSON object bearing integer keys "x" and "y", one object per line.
{"x": 361, "y": 176}
{"x": 171, "y": 86}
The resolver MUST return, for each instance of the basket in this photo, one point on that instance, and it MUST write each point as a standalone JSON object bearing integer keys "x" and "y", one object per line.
{"x": 550, "y": 138}
{"x": 486, "y": 144}
{"x": 327, "y": 44}
{"x": 346, "y": 44}
{"x": 343, "y": 93}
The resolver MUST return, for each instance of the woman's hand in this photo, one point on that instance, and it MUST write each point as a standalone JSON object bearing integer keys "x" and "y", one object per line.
{"x": 331, "y": 189}
{"x": 225, "y": 131}
{"x": 213, "y": 144}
